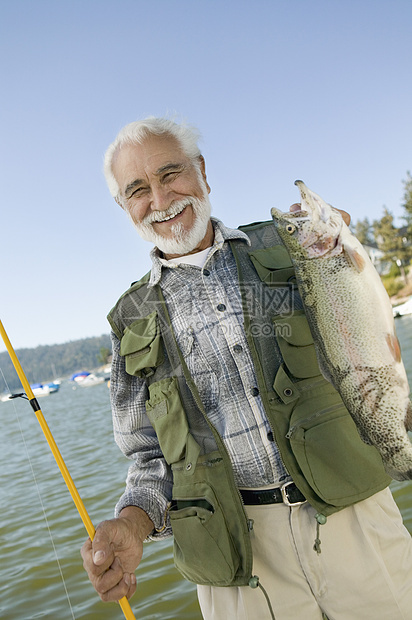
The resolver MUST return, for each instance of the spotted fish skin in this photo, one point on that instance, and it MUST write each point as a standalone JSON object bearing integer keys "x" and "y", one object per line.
{"x": 351, "y": 320}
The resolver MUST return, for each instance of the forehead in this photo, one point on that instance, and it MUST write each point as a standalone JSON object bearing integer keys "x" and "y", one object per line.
{"x": 141, "y": 160}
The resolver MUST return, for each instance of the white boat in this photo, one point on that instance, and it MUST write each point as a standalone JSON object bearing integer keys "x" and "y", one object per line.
{"x": 91, "y": 380}
{"x": 44, "y": 389}
{"x": 403, "y": 309}
{"x": 87, "y": 379}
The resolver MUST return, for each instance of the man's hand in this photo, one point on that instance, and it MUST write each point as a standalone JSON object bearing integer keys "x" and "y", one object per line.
{"x": 345, "y": 216}
{"x": 115, "y": 553}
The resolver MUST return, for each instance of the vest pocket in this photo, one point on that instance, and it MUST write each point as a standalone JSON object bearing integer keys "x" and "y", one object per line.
{"x": 296, "y": 345}
{"x": 141, "y": 345}
{"x": 167, "y": 416}
{"x": 339, "y": 467}
{"x": 203, "y": 549}
{"x": 273, "y": 265}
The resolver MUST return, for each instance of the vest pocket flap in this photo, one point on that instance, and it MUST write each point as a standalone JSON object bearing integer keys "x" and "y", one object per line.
{"x": 167, "y": 416}
{"x": 294, "y": 329}
{"x": 273, "y": 265}
{"x": 276, "y": 257}
{"x": 296, "y": 345}
{"x": 287, "y": 391}
{"x": 141, "y": 346}
{"x": 139, "y": 334}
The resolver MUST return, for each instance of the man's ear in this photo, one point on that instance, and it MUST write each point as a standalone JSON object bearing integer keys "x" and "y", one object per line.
{"x": 203, "y": 171}
{"x": 119, "y": 202}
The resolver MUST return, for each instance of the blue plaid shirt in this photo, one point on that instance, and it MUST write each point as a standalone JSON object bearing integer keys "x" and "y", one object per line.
{"x": 205, "y": 308}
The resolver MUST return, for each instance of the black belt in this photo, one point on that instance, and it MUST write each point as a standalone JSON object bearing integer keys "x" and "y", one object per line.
{"x": 288, "y": 494}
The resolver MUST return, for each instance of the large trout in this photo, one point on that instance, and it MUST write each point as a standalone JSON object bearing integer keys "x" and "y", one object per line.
{"x": 351, "y": 320}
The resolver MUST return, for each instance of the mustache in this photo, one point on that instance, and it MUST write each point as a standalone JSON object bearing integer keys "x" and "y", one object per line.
{"x": 162, "y": 216}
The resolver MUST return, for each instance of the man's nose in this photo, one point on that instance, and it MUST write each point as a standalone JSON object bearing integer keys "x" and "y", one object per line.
{"x": 161, "y": 198}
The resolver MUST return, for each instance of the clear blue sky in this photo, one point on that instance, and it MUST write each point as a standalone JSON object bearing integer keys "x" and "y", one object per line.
{"x": 317, "y": 90}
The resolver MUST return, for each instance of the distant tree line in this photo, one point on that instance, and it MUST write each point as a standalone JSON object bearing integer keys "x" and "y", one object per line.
{"x": 394, "y": 242}
{"x": 47, "y": 362}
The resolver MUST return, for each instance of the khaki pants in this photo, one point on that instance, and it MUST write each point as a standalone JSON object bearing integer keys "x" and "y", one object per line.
{"x": 364, "y": 570}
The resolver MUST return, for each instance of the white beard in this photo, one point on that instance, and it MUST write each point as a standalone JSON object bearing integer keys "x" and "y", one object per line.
{"x": 183, "y": 241}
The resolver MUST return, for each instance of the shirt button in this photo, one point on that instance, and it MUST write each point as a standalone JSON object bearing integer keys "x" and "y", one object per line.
{"x": 270, "y": 436}
{"x": 288, "y": 392}
{"x": 254, "y": 391}
{"x": 221, "y": 307}
{"x": 206, "y": 272}
{"x": 238, "y": 348}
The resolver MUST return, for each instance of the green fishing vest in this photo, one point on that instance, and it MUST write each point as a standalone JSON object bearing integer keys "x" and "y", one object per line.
{"x": 316, "y": 437}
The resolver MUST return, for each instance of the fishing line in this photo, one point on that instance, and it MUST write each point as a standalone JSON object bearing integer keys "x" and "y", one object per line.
{"x": 123, "y": 602}
{"x": 40, "y": 498}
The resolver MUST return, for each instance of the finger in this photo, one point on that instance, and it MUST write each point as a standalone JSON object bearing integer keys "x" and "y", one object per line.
{"x": 86, "y": 552}
{"x": 115, "y": 584}
{"x": 102, "y": 547}
{"x": 345, "y": 216}
{"x": 126, "y": 587}
{"x": 111, "y": 577}
{"x": 130, "y": 580}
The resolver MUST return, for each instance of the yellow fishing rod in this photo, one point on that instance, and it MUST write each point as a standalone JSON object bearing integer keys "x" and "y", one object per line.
{"x": 124, "y": 603}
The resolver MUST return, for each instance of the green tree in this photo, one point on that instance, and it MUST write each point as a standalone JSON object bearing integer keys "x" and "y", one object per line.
{"x": 43, "y": 363}
{"x": 407, "y": 205}
{"x": 104, "y": 355}
{"x": 363, "y": 231}
{"x": 391, "y": 243}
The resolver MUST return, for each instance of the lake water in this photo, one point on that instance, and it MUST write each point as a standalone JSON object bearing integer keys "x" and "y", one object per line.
{"x": 41, "y": 573}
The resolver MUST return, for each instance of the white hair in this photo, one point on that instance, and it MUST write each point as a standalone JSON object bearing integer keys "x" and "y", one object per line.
{"x": 138, "y": 131}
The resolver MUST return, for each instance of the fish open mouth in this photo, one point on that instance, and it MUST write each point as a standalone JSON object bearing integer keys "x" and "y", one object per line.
{"x": 298, "y": 214}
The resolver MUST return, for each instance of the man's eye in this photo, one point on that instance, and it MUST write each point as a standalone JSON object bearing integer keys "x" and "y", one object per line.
{"x": 169, "y": 176}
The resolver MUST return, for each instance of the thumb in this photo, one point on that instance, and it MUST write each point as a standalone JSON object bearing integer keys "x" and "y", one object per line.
{"x": 102, "y": 545}
{"x": 99, "y": 557}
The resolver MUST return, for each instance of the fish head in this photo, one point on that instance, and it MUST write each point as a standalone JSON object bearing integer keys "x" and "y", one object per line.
{"x": 311, "y": 231}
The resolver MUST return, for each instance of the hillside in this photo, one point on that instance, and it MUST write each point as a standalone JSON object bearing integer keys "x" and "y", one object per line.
{"x": 47, "y": 362}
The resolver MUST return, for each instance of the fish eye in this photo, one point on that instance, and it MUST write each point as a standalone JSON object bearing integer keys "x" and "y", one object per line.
{"x": 290, "y": 228}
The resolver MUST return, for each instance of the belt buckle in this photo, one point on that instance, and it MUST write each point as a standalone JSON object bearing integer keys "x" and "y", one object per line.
{"x": 283, "y": 490}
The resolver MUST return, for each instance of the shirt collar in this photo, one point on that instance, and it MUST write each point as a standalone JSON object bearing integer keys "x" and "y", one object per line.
{"x": 222, "y": 234}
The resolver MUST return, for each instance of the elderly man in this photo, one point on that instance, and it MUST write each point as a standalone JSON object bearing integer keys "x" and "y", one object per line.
{"x": 240, "y": 447}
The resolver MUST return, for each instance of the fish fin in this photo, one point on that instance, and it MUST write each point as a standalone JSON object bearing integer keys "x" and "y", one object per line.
{"x": 394, "y": 346}
{"x": 355, "y": 258}
{"x": 408, "y": 418}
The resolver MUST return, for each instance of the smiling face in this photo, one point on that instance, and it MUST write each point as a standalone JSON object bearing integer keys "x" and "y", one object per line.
{"x": 165, "y": 194}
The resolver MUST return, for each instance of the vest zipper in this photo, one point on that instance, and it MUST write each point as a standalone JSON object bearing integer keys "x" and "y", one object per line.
{"x": 219, "y": 442}
{"x": 316, "y": 415}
